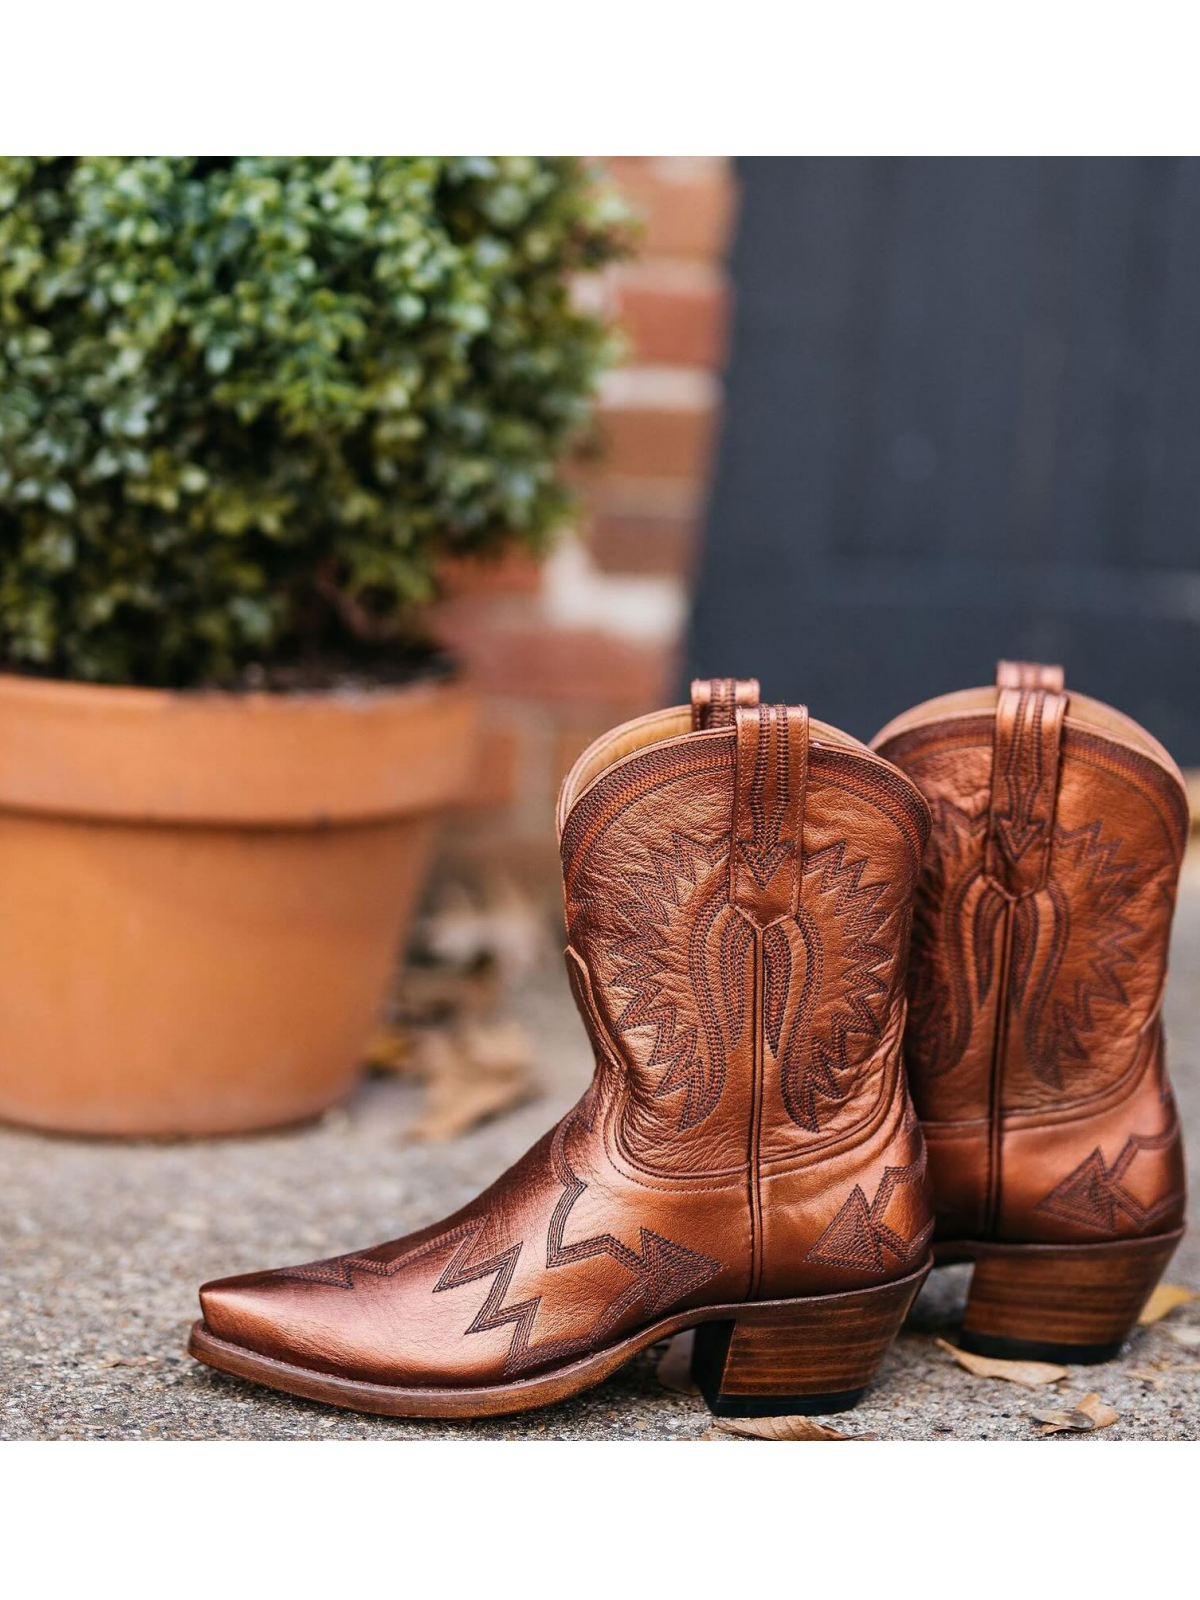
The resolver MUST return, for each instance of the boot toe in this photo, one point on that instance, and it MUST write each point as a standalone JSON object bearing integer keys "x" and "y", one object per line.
{"x": 303, "y": 1324}
{"x": 252, "y": 1310}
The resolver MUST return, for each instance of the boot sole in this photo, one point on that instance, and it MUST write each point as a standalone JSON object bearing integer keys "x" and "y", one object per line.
{"x": 1075, "y": 1304}
{"x": 753, "y": 1358}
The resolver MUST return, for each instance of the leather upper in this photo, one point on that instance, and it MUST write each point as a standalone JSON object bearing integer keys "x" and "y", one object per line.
{"x": 1043, "y": 914}
{"x": 737, "y": 886}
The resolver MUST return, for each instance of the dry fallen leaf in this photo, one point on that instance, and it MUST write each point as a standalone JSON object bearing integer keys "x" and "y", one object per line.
{"x": 1030, "y": 1374}
{"x": 471, "y": 1073}
{"x": 777, "y": 1430}
{"x": 516, "y": 929}
{"x": 447, "y": 1024}
{"x": 487, "y": 921}
{"x": 674, "y": 1369}
{"x": 389, "y": 1050}
{"x": 188, "y": 1220}
{"x": 453, "y": 928}
{"x": 1165, "y": 1298}
{"x": 429, "y": 994}
{"x": 1085, "y": 1416}
{"x": 1158, "y": 1373}
{"x": 1154, "y": 1377}
{"x": 1161, "y": 1372}
{"x": 1188, "y": 1337}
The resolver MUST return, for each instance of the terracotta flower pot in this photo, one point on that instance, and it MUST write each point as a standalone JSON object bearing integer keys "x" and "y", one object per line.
{"x": 203, "y": 895}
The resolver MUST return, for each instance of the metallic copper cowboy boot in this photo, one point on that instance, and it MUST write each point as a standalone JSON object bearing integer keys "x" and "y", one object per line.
{"x": 1034, "y": 1044}
{"x": 738, "y": 885}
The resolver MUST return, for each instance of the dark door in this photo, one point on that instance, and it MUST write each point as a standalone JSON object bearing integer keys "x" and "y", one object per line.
{"x": 963, "y": 421}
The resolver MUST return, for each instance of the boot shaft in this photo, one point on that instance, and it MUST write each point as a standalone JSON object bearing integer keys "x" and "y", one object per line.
{"x": 738, "y": 883}
{"x": 1039, "y": 959}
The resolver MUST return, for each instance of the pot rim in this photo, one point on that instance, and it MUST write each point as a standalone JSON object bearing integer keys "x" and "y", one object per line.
{"x": 77, "y": 689}
{"x": 232, "y": 758}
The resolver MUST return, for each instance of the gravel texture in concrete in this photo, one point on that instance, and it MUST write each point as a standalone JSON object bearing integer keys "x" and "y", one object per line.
{"x": 102, "y": 1246}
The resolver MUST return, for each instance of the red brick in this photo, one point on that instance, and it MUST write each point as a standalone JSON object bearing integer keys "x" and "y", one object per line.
{"x": 685, "y": 203}
{"x": 494, "y": 772}
{"x": 643, "y": 543}
{"x": 543, "y": 664}
{"x": 672, "y": 313}
{"x": 516, "y": 572}
{"x": 657, "y": 442}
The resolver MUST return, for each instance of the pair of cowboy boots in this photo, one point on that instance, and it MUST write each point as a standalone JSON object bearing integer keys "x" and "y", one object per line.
{"x": 752, "y": 1158}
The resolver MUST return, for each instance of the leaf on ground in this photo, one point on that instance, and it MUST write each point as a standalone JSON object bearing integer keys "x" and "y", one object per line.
{"x": 1030, "y": 1374}
{"x": 188, "y": 1220}
{"x": 777, "y": 1430}
{"x": 1188, "y": 1337}
{"x": 1165, "y": 1298}
{"x": 674, "y": 1369}
{"x": 1155, "y": 1377}
{"x": 430, "y": 995}
{"x": 471, "y": 1073}
{"x": 1160, "y": 1373}
{"x": 1085, "y": 1416}
{"x": 489, "y": 922}
{"x": 389, "y": 1050}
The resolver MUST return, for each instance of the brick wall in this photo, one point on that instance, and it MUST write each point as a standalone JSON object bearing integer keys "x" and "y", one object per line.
{"x": 563, "y": 652}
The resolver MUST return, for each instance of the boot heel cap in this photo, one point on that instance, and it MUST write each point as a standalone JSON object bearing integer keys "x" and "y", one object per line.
{"x": 1067, "y": 1355}
{"x": 780, "y": 1405}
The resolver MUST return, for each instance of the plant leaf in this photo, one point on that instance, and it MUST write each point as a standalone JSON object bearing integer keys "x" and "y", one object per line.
{"x": 1030, "y": 1374}
{"x": 1085, "y": 1416}
{"x": 1165, "y": 1298}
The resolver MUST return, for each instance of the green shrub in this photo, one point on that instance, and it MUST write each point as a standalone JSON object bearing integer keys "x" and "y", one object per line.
{"x": 248, "y": 407}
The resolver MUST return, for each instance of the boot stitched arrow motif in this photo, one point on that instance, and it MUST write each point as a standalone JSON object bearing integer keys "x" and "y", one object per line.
{"x": 1093, "y": 1195}
{"x": 661, "y": 1275}
{"x": 859, "y": 1233}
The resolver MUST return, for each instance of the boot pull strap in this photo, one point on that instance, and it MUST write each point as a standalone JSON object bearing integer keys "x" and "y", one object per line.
{"x": 768, "y": 812}
{"x": 715, "y": 700}
{"x": 1030, "y": 707}
{"x": 1028, "y": 675}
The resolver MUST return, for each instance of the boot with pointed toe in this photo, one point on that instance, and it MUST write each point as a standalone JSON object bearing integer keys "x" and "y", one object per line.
{"x": 1034, "y": 1044}
{"x": 738, "y": 886}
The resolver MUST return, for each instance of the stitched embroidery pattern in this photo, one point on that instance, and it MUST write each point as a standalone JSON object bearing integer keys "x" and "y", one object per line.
{"x": 940, "y": 1006}
{"x": 1055, "y": 1026}
{"x": 660, "y": 1275}
{"x": 815, "y": 1063}
{"x": 858, "y": 1236}
{"x": 338, "y": 1271}
{"x": 1094, "y": 1194}
{"x": 765, "y": 852}
{"x": 661, "y": 1271}
{"x": 674, "y": 954}
{"x": 815, "y": 1054}
{"x": 1023, "y": 820}
{"x": 954, "y": 948}
{"x": 670, "y": 932}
